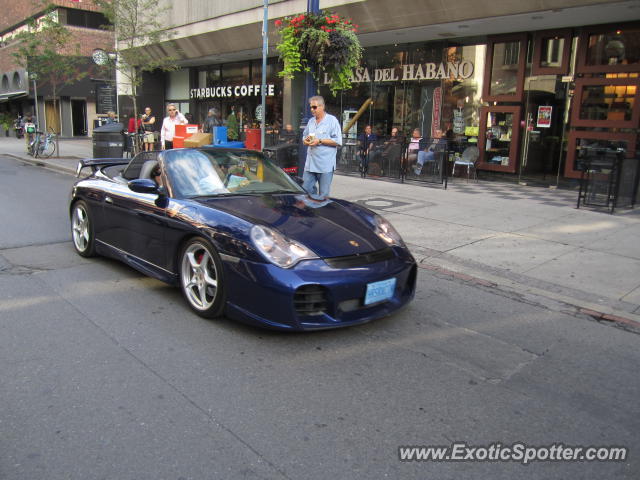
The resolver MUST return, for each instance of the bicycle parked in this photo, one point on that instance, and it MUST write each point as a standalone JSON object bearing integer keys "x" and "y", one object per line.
{"x": 134, "y": 144}
{"x": 43, "y": 144}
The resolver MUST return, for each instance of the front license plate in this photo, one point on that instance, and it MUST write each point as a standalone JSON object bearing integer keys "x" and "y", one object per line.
{"x": 380, "y": 291}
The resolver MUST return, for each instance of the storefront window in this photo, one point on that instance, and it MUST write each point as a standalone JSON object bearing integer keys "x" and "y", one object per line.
{"x": 235, "y": 73}
{"x": 618, "y": 47}
{"x": 178, "y": 85}
{"x": 551, "y": 51}
{"x": 500, "y": 142}
{"x": 584, "y": 146}
{"x": 234, "y": 89}
{"x": 499, "y": 136}
{"x": 504, "y": 74}
{"x": 609, "y": 49}
{"x": 607, "y": 102}
{"x": 432, "y": 87}
{"x": 462, "y": 96}
{"x": 504, "y": 68}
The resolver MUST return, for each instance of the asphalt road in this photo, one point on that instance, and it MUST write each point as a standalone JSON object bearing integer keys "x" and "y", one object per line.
{"x": 107, "y": 375}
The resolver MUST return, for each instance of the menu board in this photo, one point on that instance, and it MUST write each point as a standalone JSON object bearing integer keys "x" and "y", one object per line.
{"x": 105, "y": 98}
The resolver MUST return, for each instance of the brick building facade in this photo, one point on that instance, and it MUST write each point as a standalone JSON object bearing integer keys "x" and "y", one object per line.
{"x": 77, "y": 110}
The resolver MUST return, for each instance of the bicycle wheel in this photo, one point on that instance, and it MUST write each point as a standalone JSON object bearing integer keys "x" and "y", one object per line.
{"x": 48, "y": 148}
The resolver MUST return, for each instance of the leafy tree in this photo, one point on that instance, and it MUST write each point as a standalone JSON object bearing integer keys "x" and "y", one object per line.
{"x": 135, "y": 28}
{"x": 46, "y": 48}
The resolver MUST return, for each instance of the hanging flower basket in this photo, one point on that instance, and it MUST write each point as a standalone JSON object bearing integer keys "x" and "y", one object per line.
{"x": 322, "y": 44}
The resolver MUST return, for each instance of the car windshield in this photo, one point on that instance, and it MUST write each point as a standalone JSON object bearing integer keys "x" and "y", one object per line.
{"x": 199, "y": 173}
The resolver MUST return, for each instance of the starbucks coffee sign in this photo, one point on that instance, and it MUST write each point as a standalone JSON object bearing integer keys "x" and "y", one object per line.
{"x": 232, "y": 91}
{"x": 413, "y": 71}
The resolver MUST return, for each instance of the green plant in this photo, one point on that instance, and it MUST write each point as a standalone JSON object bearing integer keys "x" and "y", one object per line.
{"x": 324, "y": 44}
{"x": 5, "y": 122}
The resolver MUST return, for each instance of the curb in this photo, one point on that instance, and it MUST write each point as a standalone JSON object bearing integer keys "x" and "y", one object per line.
{"x": 603, "y": 317}
{"x": 43, "y": 163}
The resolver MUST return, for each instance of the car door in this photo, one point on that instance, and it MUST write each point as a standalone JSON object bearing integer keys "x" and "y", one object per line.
{"x": 134, "y": 224}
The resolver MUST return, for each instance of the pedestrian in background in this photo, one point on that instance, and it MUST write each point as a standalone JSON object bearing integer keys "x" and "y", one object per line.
{"x": 366, "y": 142}
{"x": 169, "y": 123}
{"x": 148, "y": 126}
{"x": 322, "y": 136}
{"x": 288, "y": 135}
{"x": 212, "y": 120}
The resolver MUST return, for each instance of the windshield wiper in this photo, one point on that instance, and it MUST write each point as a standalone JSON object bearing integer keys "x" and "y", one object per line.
{"x": 271, "y": 192}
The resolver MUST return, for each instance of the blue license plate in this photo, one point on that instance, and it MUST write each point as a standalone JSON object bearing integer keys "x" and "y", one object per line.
{"x": 379, "y": 291}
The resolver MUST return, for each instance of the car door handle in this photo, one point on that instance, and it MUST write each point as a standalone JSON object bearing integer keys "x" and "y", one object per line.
{"x": 108, "y": 200}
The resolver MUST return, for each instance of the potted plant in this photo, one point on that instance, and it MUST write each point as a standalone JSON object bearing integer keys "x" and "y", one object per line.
{"x": 5, "y": 121}
{"x": 324, "y": 44}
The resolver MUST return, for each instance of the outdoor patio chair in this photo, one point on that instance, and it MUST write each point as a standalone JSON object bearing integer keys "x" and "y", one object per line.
{"x": 469, "y": 159}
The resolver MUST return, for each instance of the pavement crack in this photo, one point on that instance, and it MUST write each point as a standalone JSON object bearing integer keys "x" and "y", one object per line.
{"x": 34, "y": 244}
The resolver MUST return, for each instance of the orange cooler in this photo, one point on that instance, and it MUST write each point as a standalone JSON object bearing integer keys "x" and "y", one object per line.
{"x": 182, "y": 132}
{"x": 252, "y": 139}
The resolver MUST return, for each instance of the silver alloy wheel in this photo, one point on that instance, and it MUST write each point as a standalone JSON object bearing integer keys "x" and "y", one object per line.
{"x": 199, "y": 276}
{"x": 80, "y": 228}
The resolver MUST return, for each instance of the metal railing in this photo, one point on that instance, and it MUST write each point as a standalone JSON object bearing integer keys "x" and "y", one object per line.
{"x": 391, "y": 157}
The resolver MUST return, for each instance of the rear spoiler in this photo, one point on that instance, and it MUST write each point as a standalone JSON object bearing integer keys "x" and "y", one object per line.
{"x": 96, "y": 163}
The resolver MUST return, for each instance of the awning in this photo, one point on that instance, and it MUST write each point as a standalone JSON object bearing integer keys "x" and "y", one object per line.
{"x": 5, "y": 97}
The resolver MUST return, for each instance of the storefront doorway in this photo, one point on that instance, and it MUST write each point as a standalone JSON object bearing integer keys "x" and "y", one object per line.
{"x": 546, "y": 106}
{"x": 79, "y": 118}
{"x": 52, "y": 116}
{"x": 542, "y": 157}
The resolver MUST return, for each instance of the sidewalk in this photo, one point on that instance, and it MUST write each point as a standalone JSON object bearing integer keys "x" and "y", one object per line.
{"x": 530, "y": 242}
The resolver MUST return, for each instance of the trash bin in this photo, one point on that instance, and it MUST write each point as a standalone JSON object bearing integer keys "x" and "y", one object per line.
{"x": 252, "y": 139}
{"x": 284, "y": 155}
{"x": 109, "y": 141}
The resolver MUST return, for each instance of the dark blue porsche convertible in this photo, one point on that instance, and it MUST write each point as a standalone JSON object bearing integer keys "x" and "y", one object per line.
{"x": 242, "y": 239}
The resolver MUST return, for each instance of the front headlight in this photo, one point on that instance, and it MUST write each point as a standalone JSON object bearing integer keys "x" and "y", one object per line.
{"x": 277, "y": 248}
{"x": 386, "y": 232}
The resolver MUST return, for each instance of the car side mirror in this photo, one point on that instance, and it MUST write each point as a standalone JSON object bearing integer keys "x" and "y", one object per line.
{"x": 144, "y": 185}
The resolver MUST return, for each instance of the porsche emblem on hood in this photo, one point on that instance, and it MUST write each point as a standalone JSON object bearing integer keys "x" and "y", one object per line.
{"x": 353, "y": 243}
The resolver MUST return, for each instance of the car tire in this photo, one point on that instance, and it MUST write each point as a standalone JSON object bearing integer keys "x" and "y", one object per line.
{"x": 202, "y": 278}
{"x": 82, "y": 229}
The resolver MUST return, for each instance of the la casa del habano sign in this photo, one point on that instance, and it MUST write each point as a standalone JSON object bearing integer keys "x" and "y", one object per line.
{"x": 403, "y": 73}
{"x": 413, "y": 72}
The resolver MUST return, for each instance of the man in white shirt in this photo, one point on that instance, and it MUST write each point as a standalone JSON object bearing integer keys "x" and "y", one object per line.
{"x": 322, "y": 136}
{"x": 169, "y": 123}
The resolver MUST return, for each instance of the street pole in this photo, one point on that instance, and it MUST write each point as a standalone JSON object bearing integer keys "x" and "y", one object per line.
{"x": 310, "y": 89}
{"x": 263, "y": 89}
{"x": 35, "y": 97}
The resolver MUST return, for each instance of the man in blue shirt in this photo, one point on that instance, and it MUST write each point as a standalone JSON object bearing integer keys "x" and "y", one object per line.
{"x": 322, "y": 136}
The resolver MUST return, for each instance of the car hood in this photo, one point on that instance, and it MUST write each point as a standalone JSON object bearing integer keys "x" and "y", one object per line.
{"x": 330, "y": 229}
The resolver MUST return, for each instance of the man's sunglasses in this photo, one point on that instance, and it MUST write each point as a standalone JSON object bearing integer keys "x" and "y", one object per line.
{"x": 313, "y": 107}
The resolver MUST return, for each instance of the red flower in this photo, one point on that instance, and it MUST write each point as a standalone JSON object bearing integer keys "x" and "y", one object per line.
{"x": 278, "y": 23}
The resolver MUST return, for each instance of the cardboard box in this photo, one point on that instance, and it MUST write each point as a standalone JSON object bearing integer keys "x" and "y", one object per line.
{"x": 197, "y": 140}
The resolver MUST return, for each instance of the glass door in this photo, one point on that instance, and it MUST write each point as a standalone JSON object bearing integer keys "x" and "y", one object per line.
{"x": 546, "y": 104}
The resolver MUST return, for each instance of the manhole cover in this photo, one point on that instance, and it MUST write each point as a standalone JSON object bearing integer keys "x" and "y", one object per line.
{"x": 382, "y": 203}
